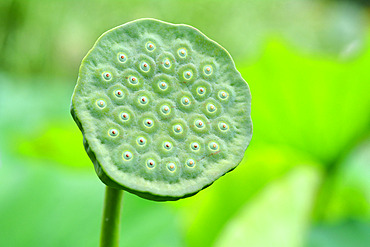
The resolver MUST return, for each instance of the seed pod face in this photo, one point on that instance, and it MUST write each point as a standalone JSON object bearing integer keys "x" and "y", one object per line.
{"x": 163, "y": 115}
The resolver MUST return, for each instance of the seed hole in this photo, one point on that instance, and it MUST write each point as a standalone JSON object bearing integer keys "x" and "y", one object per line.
{"x": 177, "y": 128}
{"x": 125, "y": 116}
{"x": 165, "y": 109}
{"x": 141, "y": 141}
{"x": 118, "y": 93}
{"x": 122, "y": 57}
{"x": 107, "y": 76}
{"x": 223, "y": 95}
{"x": 143, "y": 100}
{"x": 211, "y": 108}
{"x": 167, "y": 63}
{"x": 223, "y": 126}
{"x": 201, "y": 90}
{"x": 185, "y": 101}
{"x": 150, "y": 46}
{"x": 148, "y": 123}
{"x": 207, "y": 70}
{"x": 213, "y": 146}
{"x": 101, "y": 103}
{"x": 188, "y": 74}
{"x": 113, "y": 132}
{"x": 167, "y": 145}
{"x": 190, "y": 163}
{"x": 171, "y": 166}
{"x": 133, "y": 80}
{"x": 199, "y": 124}
{"x": 150, "y": 163}
{"x": 127, "y": 155}
{"x": 162, "y": 85}
{"x": 182, "y": 52}
{"x": 144, "y": 66}
{"x": 195, "y": 146}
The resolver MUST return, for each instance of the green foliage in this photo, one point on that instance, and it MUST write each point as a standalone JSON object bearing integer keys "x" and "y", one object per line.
{"x": 317, "y": 105}
{"x": 350, "y": 181}
{"x": 342, "y": 234}
{"x": 279, "y": 214}
{"x": 43, "y": 145}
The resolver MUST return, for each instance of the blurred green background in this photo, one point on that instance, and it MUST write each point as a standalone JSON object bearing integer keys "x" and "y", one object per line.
{"x": 304, "y": 181}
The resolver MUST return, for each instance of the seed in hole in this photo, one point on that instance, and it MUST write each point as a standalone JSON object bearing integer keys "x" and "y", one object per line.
{"x": 113, "y": 132}
{"x": 201, "y": 90}
{"x": 190, "y": 163}
{"x": 165, "y": 109}
{"x": 199, "y": 124}
{"x": 141, "y": 141}
{"x": 171, "y": 167}
{"x": 150, "y": 163}
{"x": 122, "y": 57}
{"x": 148, "y": 123}
{"x": 150, "y": 46}
{"x": 223, "y": 95}
{"x": 223, "y": 126}
{"x": 101, "y": 103}
{"x": 143, "y": 100}
{"x": 177, "y": 128}
{"x": 167, "y": 63}
{"x": 182, "y": 52}
{"x": 195, "y": 146}
{"x": 213, "y": 146}
{"x": 118, "y": 93}
{"x": 127, "y": 155}
{"x": 167, "y": 145}
{"x": 211, "y": 108}
{"x": 188, "y": 74}
{"x": 185, "y": 101}
{"x": 208, "y": 70}
{"x": 125, "y": 116}
{"x": 133, "y": 80}
{"x": 144, "y": 66}
{"x": 107, "y": 76}
{"x": 162, "y": 85}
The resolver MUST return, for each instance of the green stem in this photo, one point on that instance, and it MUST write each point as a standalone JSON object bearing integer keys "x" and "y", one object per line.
{"x": 110, "y": 227}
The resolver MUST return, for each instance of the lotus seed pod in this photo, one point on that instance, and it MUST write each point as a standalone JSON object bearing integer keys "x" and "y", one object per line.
{"x": 162, "y": 109}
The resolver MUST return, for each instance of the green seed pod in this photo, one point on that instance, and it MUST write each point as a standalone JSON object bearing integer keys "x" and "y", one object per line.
{"x": 162, "y": 109}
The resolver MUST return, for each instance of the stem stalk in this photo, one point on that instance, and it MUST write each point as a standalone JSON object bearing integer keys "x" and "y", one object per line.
{"x": 110, "y": 227}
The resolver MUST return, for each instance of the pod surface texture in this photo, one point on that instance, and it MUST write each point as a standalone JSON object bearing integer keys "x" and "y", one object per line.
{"x": 162, "y": 109}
